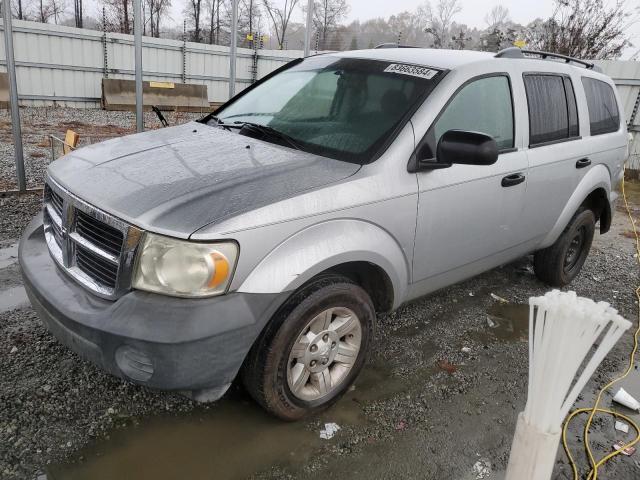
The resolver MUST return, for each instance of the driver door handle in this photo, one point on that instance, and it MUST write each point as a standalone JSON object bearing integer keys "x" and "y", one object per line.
{"x": 513, "y": 179}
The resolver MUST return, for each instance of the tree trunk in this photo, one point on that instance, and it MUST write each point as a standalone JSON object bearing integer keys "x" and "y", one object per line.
{"x": 20, "y": 16}
{"x": 211, "y": 21}
{"x": 218, "y": 21}
{"x": 126, "y": 16}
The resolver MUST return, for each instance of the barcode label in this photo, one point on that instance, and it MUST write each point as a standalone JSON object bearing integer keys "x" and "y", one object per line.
{"x": 413, "y": 70}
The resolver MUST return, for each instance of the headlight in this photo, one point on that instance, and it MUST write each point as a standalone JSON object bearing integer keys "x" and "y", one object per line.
{"x": 184, "y": 269}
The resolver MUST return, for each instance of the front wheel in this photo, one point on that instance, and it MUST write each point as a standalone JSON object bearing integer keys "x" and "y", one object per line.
{"x": 312, "y": 350}
{"x": 560, "y": 263}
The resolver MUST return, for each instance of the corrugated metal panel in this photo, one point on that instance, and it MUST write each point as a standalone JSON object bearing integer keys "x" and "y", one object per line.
{"x": 64, "y": 65}
{"x": 626, "y": 76}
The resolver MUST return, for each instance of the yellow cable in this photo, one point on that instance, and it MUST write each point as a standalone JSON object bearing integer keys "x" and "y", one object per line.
{"x": 593, "y": 474}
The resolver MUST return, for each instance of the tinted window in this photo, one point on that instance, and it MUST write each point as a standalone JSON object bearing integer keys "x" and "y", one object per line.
{"x": 553, "y": 114}
{"x": 483, "y": 105}
{"x": 603, "y": 109}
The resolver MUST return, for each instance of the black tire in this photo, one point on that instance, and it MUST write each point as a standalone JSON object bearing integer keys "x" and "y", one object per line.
{"x": 560, "y": 263}
{"x": 264, "y": 373}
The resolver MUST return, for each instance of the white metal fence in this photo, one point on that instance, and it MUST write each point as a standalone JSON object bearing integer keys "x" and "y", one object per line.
{"x": 65, "y": 65}
{"x": 626, "y": 75}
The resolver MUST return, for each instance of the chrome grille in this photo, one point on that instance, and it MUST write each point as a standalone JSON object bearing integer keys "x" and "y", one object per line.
{"x": 92, "y": 246}
{"x": 100, "y": 270}
{"x": 100, "y": 234}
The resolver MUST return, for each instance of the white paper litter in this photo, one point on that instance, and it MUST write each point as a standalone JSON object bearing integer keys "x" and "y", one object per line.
{"x": 623, "y": 427}
{"x": 498, "y": 298}
{"x": 329, "y": 430}
{"x": 482, "y": 469}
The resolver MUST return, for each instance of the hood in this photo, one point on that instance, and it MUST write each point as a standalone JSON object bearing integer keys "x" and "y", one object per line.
{"x": 179, "y": 179}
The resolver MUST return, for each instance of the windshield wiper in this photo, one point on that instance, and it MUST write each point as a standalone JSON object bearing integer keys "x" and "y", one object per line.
{"x": 267, "y": 130}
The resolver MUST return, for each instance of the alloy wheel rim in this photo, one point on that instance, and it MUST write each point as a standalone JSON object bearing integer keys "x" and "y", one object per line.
{"x": 324, "y": 353}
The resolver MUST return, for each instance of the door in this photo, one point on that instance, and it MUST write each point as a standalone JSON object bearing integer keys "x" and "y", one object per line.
{"x": 468, "y": 214}
{"x": 556, "y": 161}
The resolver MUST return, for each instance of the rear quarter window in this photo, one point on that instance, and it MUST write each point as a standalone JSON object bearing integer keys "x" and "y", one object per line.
{"x": 604, "y": 116}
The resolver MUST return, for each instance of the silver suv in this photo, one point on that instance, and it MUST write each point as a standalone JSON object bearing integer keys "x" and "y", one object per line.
{"x": 261, "y": 241}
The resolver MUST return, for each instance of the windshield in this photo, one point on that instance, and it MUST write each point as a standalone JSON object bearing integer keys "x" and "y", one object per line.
{"x": 342, "y": 108}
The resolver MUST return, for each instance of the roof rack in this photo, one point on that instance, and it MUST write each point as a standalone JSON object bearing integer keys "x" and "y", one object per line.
{"x": 515, "y": 52}
{"x": 393, "y": 45}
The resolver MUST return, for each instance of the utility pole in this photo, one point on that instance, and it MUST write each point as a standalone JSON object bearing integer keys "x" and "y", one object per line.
{"x": 234, "y": 48}
{"x": 13, "y": 95}
{"x": 307, "y": 31}
{"x": 137, "y": 31}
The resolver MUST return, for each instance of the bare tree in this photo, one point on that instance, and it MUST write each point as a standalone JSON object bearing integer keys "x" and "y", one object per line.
{"x": 194, "y": 13}
{"x": 77, "y": 11}
{"x": 118, "y": 15}
{"x": 157, "y": 11}
{"x": 280, "y": 18}
{"x": 214, "y": 27}
{"x": 57, "y": 9}
{"x": 497, "y": 17}
{"x": 583, "y": 28}
{"x": 19, "y": 12}
{"x": 327, "y": 15}
{"x": 438, "y": 20}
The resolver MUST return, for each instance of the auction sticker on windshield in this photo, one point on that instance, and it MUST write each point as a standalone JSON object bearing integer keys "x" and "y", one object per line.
{"x": 413, "y": 70}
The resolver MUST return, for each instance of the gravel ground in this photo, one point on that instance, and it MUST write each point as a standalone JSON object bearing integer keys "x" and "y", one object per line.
{"x": 439, "y": 398}
{"x": 93, "y": 125}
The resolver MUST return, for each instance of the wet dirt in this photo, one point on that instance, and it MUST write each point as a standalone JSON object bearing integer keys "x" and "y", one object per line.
{"x": 233, "y": 440}
{"x": 12, "y": 298}
{"x": 406, "y": 417}
{"x": 507, "y": 322}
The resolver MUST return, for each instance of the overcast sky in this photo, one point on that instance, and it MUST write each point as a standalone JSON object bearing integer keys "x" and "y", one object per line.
{"x": 472, "y": 14}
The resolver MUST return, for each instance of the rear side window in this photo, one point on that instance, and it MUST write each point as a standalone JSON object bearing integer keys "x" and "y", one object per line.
{"x": 553, "y": 114}
{"x": 604, "y": 116}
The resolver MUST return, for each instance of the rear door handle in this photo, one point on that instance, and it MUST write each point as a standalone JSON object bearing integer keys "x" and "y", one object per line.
{"x": 583, "y": 162}
{"x": 511, "y": 180}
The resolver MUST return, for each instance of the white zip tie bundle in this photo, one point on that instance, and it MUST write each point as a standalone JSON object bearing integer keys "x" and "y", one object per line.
{"x": 563, "y": 329}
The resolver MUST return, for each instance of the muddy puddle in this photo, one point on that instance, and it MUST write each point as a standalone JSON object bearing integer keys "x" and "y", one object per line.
{"x": 8, "y": 255}
{"x": 234, "y": 439}
{"x": 506, "y": 322}
{"x": 12, "y": 298}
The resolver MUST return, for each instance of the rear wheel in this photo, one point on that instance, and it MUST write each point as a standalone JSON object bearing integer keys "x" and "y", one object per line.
{"x": 560, "y": 263}
{"x": 312, "y": 350}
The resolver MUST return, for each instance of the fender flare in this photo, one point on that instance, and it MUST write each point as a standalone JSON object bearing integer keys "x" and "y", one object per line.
{"x": 597, "y": 177}
{"x": 321, "y": 246}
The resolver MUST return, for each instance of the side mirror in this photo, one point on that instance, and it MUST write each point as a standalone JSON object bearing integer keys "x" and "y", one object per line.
{"x": 467, "y": 148}
{"x": 462, "y": 147}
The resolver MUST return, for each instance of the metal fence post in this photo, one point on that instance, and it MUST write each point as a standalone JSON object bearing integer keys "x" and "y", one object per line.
{"x": 234, "y": 48}
{"x": 13, "y": 95}
{"x": 137, "y": 30}
{"x": 105, "y": 67}
{"x": 184, "y": 52}
{"x": 307, "y": 31}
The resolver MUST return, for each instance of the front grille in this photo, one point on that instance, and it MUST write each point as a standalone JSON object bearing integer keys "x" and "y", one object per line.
{"x": 101, "y": 271}
{"x": 100, "y": 234}
{"x": 94, "y": 247}
{"x": 56, "y": 202}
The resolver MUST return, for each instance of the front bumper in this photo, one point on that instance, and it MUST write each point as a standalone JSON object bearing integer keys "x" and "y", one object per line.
{"x": 195, "y": 345}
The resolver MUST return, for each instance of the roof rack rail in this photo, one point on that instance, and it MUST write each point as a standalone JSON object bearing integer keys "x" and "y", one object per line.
{"x": 393, "y": 45}
{"x": 515, "y": 52}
